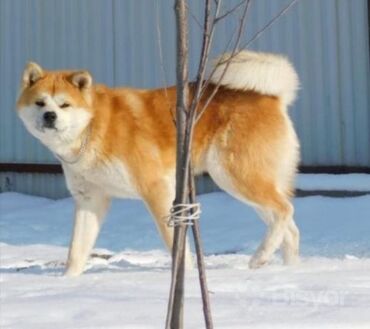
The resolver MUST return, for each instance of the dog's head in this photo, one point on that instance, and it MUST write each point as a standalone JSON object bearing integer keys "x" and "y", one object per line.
{"x": 55, "y": 106}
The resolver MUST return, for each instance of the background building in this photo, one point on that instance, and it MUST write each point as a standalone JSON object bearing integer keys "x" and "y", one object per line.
{"x": 117, "y": 40}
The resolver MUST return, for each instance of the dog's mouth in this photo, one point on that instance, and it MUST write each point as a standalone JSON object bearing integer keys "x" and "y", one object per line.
{"x": 48, "y": 127}
{"x": 44, "y": 128}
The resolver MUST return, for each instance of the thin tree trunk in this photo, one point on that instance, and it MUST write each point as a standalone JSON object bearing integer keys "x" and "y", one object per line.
{"x": 200, "y": 258}
{"x": 176, "y": 299}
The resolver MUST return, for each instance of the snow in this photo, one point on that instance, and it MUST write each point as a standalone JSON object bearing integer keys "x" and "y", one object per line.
{"x": 127, "y": 281}
{"x": 130, "y": 291}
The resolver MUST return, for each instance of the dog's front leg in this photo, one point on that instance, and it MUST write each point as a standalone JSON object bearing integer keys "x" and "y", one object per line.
{"x": 158, "y": 199}
{"x": 90, "y": 211}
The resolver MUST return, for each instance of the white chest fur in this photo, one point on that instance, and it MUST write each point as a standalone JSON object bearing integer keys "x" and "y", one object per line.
{"x": 112, "y": 177}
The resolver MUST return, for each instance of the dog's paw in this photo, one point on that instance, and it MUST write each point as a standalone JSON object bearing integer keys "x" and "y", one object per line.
{"x": 257, "y": 261}
{"x": 72, "y": 272}
{"x": 291, "y": 260}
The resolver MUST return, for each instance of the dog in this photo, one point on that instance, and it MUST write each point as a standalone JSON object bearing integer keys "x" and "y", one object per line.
{"x": 121, "y": 142}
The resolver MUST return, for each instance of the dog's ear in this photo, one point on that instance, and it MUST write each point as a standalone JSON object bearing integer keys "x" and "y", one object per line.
{"x": 31, "y": 74}
{"x": 81, "y": 79}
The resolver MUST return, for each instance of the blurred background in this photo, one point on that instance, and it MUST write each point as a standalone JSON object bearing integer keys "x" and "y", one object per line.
{"x": 119, "y": 43}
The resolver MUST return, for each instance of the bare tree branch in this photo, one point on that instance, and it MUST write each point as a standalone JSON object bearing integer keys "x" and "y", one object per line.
{"x": 236, "y": 51}
{"x": 270, "y": 23}
{"x": 200, "y": 259}
{"x": 196, "y": 20}
{"x": 262, "y": 30}
{"x": 207, "y": 82}
{"x": 237, "y": 42}
{"x": 208, "y": 28}
{"x": 159, "y": 38}
{"x": 229, "y": 12}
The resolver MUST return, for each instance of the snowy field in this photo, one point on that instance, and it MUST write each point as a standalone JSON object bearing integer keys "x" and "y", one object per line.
{"x": 127, "y": 281}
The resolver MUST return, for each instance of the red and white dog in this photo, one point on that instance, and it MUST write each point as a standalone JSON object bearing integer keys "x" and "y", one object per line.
{"x": 120, "y": 142}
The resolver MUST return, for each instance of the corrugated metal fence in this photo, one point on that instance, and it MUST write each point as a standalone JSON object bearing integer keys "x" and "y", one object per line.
{"x": 117, "y": 41}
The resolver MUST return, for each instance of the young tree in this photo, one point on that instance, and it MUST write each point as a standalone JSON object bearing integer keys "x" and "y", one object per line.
{"x": 185, "y": 210}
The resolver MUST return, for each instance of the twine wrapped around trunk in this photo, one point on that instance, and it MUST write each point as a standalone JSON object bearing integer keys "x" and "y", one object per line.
{"x": 184, "y": 214}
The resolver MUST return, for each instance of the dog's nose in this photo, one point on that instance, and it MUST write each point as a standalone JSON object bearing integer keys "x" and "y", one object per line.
{"x": 50, "y": 117}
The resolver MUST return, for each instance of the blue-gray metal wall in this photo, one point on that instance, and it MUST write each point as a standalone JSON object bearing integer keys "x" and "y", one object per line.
{"x": 117, "y": 40}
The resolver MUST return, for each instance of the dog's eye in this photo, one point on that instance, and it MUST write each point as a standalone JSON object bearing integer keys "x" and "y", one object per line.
{"x": 40, "y": 103}
{"x": 64, "y": 105}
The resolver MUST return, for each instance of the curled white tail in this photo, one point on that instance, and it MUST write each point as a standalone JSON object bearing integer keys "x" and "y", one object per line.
{"x": 268, "y": 74}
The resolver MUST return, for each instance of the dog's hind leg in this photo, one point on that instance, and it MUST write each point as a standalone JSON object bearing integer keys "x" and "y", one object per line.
{"x": 273, "y": 206}
{"x": 91, "y": 208}
{"x": 290, "y": 244}
{"x": 280, "y": 213}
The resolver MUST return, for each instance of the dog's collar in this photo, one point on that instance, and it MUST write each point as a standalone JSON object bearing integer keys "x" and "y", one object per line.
{"x": 81, "y": 151}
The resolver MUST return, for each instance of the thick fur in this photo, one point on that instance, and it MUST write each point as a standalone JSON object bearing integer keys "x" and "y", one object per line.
{"x": 268, "y": 74}
{"x": 245, "y": 141}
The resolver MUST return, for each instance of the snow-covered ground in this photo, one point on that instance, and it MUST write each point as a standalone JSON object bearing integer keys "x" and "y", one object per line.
{"x": 127, "y": 281}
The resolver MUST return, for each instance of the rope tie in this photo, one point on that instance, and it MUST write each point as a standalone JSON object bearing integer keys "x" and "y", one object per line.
{"x": 183, "y": 214}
